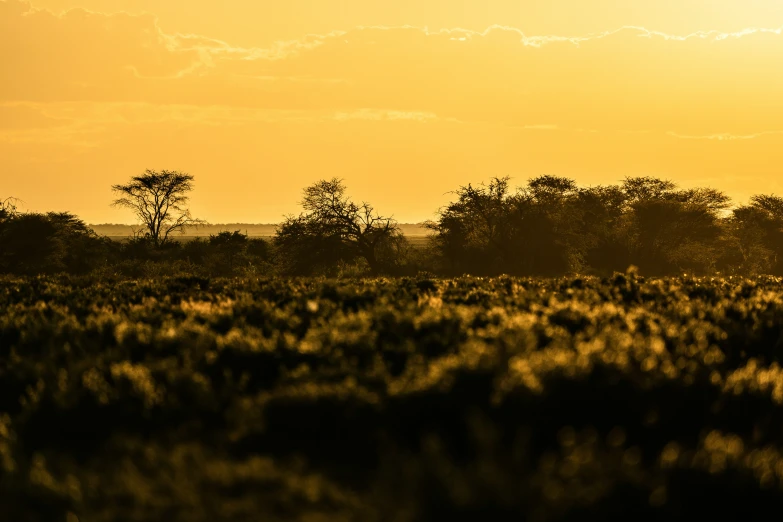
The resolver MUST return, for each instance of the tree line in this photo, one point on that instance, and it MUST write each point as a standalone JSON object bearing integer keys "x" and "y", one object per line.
{"x": 548, "y": 227}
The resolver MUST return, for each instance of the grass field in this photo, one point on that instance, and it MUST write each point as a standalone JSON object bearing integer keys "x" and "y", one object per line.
{"x": 391, "y": 399}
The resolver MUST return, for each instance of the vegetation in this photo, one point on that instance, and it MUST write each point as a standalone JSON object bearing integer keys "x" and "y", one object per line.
{"x": 549, "y": 227}
{"x": 54, "y": 242}
{"x": 553, "y": 227}
{"x": 7, "y": 208}
{"x": 150, "y": 379}
{"x": 405, "y": 399}
{"x": 333, "y": 230}
{"x": 158, "y": 200}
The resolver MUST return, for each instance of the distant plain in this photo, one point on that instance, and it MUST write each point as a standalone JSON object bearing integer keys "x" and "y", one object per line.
{"x": 416, "y": 233}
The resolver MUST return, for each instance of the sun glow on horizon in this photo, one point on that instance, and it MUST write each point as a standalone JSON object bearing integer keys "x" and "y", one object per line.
{"x": 405, "y": 101}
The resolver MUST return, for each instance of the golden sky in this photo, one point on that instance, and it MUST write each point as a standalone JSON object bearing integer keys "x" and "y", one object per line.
{"x": 404, "y": 99}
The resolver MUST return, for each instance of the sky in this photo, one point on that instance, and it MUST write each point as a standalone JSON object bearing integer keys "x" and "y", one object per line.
{"x": 405, "y": 100}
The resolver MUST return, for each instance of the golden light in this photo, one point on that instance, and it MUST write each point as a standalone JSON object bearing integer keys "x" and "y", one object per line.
{"x": 258, "y": 99}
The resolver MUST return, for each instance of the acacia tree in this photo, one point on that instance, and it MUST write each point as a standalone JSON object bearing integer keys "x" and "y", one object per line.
{"x": 158, "y": 199}
{"x": 333, "y": 228}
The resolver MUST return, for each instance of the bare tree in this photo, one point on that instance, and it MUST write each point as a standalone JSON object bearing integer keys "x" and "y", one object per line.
{"x": 8, "y": 208}
{"x": 334, "y": 228}
{"x": 158, "y": 199}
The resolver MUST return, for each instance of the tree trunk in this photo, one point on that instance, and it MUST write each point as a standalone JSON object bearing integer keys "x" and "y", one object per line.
{"x": 368, "y": 254}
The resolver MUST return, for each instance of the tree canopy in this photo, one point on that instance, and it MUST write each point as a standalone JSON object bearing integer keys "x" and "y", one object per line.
{"x": 333, "y": 229}
{"x": 7, "y": 208}
{"x": 35, "y": 243}
{"x": 552, "y": 226}
{"x": 158, "y": 200}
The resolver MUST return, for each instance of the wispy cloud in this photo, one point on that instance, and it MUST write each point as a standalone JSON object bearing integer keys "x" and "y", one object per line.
{"x": 725, "y": 136}
{"x": 89, "y": 87}
{"x": 385, "y": 115}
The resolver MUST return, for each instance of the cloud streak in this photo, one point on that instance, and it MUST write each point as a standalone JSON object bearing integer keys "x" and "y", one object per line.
{"x": 91, "y": 89}
{"x": 632, "y": 78}
{"x": 718, "y": 85}
{"x": 727, "y": 136}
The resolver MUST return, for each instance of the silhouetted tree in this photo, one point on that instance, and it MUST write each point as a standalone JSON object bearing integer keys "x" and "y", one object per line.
{"x": 551, "y": 227}
{"x": 7, "y": 209}
{"x": 158, "y": 199}
{"x": 640, "y": 189}
{"x": 550, "y": 189}
{"x": 546, "y": 227}
{"x": 672, "y": 230}
{"x": 603, "y": 226}
{"x": 333, "y": 229}
{"x": 757, "y": 232}
{"x": 747, "y": 249}
{"x": 489, "y": 230}
{"x": 473, "y": 233}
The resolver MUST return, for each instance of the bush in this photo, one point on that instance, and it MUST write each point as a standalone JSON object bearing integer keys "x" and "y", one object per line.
{"x": 50, "y": 243}
{"x": 416, "y": 399}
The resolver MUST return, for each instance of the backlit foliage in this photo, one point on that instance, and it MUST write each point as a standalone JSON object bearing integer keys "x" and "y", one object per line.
{"x": 405, "y": 399}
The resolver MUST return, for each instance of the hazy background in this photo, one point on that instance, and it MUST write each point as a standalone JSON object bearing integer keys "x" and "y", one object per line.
{"x": 263, "y": 230}
{"x": 259, "y": 99}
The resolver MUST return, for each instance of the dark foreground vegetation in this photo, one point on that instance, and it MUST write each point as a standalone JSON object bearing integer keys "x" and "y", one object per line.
{"x": 408, "y": 399}
{"x": 549, "y": 227}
